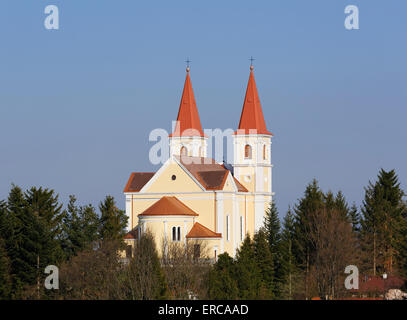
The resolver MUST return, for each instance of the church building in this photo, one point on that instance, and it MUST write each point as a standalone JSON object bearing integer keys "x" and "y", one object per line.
{"x": 194, "y": 198}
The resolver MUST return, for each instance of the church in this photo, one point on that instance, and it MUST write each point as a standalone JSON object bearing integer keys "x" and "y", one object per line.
{"x": 194, "y": 198}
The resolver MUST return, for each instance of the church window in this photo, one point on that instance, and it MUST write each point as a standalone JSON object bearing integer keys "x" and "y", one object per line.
{"x": 264, "y": 152}
{"x": 247, "y": 151}
{"x": 184, "y": 151}
{"x": 241, "y": 228}
{"x": 176, "y": 233}
{"x": 227, "y": 228}
{"x": 173, "y": 177}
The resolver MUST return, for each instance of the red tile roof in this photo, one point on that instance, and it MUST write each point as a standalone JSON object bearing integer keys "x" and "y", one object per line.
{"x": 210, "y": 174}
{"x": 200, "y": 231}
{"x": 372, "y": 284}
{"x": 240, "y": 187}
{"x": 131, "y": 235}
{"x": 137, "y": 181}
{"x": 188, "y": 122}
{"x": 252, "y": 119}
{"x": 168, "y": 206}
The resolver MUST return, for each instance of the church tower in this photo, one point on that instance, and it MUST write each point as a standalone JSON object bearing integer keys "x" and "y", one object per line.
{"x": 188, "y": 137}
{"x": 252, "y": 152}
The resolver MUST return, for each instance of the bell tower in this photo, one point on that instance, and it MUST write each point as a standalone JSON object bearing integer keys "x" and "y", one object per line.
{"x": 252, "y": 152}
{"x": 188, "y": 138}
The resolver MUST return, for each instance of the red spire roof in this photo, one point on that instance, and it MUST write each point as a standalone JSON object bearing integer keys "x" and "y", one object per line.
{"x": 188, "y": 122}
{"x": 252, "y": 119}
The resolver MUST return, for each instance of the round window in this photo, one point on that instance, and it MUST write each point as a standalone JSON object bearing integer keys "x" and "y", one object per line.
{"x": 173, "y": 177}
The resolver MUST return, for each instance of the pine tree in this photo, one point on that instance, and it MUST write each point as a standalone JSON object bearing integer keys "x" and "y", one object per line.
{"x": 264, "y": 261}
{"x": 5, "y": 276}
{"x": 248, "y": 274}
{"x": 24, "y": 242}
{"x": 44, "y": 205}
{"x": 81, "y": 227}
{"x": 312, "y": 201}
{"x": 354, "y": 218}
{"x": 288, "y": 266}
{"x": 113, "y": 220}
{"x": 272, "y": 228}
{"x": 383, "y": 212}
{"x": 222, "y": 284}
{"x": 341, "y": 205}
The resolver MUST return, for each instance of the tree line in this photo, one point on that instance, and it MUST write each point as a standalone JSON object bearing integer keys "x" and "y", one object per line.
{"x": 300, "y": 257}
{"x": 305, "y": 256}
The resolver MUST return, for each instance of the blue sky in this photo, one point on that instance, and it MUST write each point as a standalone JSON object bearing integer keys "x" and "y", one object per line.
{"x": 77, "y": 104}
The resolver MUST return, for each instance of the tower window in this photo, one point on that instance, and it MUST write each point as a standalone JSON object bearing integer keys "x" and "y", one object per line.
{"x": 264, "y": 152}
{"x": 183, "y": 151}
{"x": 247, "y": 151}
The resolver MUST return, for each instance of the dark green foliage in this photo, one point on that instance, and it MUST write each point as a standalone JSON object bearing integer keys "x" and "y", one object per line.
{"x": 81, "y": 227}
{"x": 288, "y": 269}
{"x": 264, "y": 261}
{"x": 113, "y": 220}
{"x": 354, "y": 218}
{"x": 383, "y": 222}
{"x": 312, "y": 201}
{"x": 272, "y": 228}
{"x": 24, "y": 241}
{"x": 5, "y": 276}
{"x": 222, "y": 284}
{"x": 248, "y": 273}
{"x": 44, "y": 205}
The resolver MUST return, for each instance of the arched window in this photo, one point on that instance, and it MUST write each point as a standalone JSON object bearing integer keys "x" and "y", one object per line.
{"x": 176, "y": 233}
{"x": 264, "y": 152}
{"x": 184, "y": 151}
{"x": 247, "y": 151}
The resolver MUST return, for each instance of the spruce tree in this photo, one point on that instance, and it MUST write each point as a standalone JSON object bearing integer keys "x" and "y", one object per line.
{"x": 24, "y": 242}
{"x": 222, "y": 284}
{"x": 44, "y": 205}
{"x": 288, "y": 266}
{"x": 264, "y": 261}
{"x": 354, "y": 218}
{"x": 382, "y": 222}
{"x": 272, "y": 228}
{"x": 312, "y": 201}
{"x": 113, "y": 220}
{"x": 5, "y": 275}
{"x": 248, "y": 274}
{"x": 81, "y": 227}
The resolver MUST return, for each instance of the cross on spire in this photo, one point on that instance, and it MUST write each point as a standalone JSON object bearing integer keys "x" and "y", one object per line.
{"x": 188, "y": 61}
{"x": 251, "y": 61}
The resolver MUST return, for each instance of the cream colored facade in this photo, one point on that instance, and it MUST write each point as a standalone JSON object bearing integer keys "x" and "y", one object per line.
{"x": 231, "y": 210}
